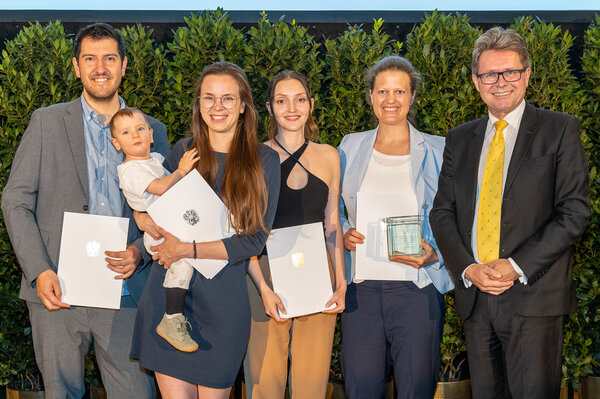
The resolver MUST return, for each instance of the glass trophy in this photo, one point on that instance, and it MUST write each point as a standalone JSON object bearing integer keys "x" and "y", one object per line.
{"x": 404, "y": 235}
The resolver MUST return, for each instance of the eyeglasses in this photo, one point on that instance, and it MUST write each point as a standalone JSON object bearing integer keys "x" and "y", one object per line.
{"x": 490, "y": 78}
{"x": 228, "y": 101}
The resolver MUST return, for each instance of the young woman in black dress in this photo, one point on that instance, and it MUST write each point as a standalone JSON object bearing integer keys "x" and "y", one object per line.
{"x": 310, "y": 180}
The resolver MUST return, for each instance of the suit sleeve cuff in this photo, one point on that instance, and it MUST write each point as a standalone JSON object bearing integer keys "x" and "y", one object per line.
{"x": 522, "y": 277}
{"x": 465, "y": 280}
{"x": 346, "y": 226}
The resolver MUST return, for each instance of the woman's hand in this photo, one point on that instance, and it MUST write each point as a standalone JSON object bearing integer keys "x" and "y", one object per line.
{"x": 351, "y": 238}
{"x": 170, "y": 250}
{"x": 272, "y": 301}
{"x": 146, "y": 224}
{"x": 339, "y": 298}
{"x": 429, "y": 257}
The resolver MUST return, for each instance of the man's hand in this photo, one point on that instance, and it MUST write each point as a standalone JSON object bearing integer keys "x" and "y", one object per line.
{"x": 146, "y": 224}
{"x": 351, "y": 238}
{"x": 487, "y": 279}
{"x": 429, "y": 256}
{"x": 124, "y": 262}
{"x": 505, "y": 268}
{"x": 48, "y": 290}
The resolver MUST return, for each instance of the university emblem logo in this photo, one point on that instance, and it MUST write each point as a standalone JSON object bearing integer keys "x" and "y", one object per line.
{"x": 191, "y": 217}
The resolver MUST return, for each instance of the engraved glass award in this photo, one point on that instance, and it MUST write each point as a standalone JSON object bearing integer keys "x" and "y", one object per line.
{"x": 404, "y": 235}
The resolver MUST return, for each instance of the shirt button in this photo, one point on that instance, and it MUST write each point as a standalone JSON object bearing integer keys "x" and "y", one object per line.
{"x": 102, "y": 203}
{"x": 85, "y": 208}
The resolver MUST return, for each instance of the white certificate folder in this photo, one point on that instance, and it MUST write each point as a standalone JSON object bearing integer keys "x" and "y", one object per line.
{"x": 299, "y": 268}
{"x": 84, "y": 276}
{"x": 371, "y": 261}
{"x": 191, "y": 210}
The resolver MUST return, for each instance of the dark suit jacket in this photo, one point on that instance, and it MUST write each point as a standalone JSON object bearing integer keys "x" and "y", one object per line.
{"x": 49, "y": 177}
{"x": 544, "y": 209}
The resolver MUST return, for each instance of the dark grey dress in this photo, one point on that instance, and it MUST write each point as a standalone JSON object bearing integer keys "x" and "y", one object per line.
{"x": 217, "y": 309}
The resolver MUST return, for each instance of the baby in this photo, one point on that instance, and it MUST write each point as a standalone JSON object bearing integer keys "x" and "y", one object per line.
{"x": 143, "y": 179}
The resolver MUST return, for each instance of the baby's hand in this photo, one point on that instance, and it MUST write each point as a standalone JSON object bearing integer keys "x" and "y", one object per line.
{"x": 187, "y": 161}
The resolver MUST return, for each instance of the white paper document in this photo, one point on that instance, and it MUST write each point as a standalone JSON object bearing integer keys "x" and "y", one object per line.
{"x": 371, "y": 262}
{"x": 300, "y": 269}
{"x": 191, "y": 210}
{"x": 84, "y": 277}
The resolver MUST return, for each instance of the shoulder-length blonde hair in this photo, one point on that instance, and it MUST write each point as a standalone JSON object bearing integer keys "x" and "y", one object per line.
{"x": 311, "y": 130}
{"x": 243, "y": 190}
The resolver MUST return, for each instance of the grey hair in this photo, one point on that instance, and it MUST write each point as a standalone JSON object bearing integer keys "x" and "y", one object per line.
{"x": 500, "y": 39}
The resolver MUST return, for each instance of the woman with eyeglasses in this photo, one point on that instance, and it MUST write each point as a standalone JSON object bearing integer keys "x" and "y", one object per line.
{"x": 310, "y": 179}
{"x": 245, "y": 175}
{"x": 393, "y": 321}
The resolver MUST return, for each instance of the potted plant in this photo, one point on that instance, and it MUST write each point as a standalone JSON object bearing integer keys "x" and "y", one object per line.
{"x": 590, "y": 385}
{"x": 18, "y": 370}
{"x": 454, "y": 373}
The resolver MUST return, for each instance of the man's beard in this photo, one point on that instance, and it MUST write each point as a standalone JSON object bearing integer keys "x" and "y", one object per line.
{"x": 101, "y": 96}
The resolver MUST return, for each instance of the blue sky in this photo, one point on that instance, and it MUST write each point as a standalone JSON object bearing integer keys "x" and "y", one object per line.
{"x": 304, "y": 5}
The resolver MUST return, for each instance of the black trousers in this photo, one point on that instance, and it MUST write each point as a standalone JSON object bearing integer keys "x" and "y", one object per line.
{"x": 512, "y": 356}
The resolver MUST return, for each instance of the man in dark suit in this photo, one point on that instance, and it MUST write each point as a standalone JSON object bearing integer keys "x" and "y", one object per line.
{"x": 512, "y": 198}
{"x": 66, "y": 163}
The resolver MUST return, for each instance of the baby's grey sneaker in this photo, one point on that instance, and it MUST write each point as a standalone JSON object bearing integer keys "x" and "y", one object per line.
{"x": 175, "y": 332}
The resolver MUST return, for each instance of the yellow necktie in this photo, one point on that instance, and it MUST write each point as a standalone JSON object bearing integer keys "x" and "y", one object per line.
{"x": 490, "y": 199}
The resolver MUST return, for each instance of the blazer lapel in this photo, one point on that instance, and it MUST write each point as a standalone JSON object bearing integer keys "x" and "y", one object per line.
{"x": 521, "y": 145}
{"x": 417, "y": 158}
{"x": 363, "y": 156}
{"x": 472, "y": 162}
{"x": 74, "y": 126}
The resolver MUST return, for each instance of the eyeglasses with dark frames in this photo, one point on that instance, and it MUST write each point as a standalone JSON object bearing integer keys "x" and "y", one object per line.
{"x": 490, "y": 78}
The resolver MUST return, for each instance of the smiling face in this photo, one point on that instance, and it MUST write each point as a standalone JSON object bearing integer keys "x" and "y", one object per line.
{"x": 291, "y": 105}
{"x": 220, "y": 89}
{"x": 391, "y": 97}
{"x": 133, "y": 136}
{"x": 100, "y": 69}
{"x": 501, "y": 97}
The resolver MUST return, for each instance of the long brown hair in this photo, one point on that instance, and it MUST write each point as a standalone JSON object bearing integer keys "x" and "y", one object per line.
{"x": 243, "y": 190}
{"x": 311, "y": 131}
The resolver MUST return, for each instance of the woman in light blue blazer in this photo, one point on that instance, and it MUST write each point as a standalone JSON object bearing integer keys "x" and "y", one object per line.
{"x": 399, "y": 321}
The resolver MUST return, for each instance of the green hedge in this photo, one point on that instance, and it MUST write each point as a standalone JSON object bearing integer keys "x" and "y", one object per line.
{"x": 35, "y": 71}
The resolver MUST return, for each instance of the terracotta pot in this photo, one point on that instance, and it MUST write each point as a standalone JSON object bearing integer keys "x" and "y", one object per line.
{"x": 453, "y": 390}
{"x": 16, "y": 394}
{"x": 590, "y": 387}
{"x": 564, "y": 393}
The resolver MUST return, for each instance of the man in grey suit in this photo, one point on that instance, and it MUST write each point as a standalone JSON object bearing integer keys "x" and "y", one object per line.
{"x": 66, "y": 163}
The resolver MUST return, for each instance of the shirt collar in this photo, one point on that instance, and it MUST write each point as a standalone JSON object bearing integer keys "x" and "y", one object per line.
{"x": 89, "y": 114}
{"x": 513, "y": 118}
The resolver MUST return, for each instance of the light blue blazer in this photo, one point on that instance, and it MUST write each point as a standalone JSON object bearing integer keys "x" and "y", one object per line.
{"x": 426, "y": 162}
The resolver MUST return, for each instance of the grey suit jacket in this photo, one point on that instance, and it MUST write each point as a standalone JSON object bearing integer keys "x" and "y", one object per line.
{"x": 49, "y": 177}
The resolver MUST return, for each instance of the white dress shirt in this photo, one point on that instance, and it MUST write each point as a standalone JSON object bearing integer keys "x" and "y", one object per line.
{"x": 510, "y": 137}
